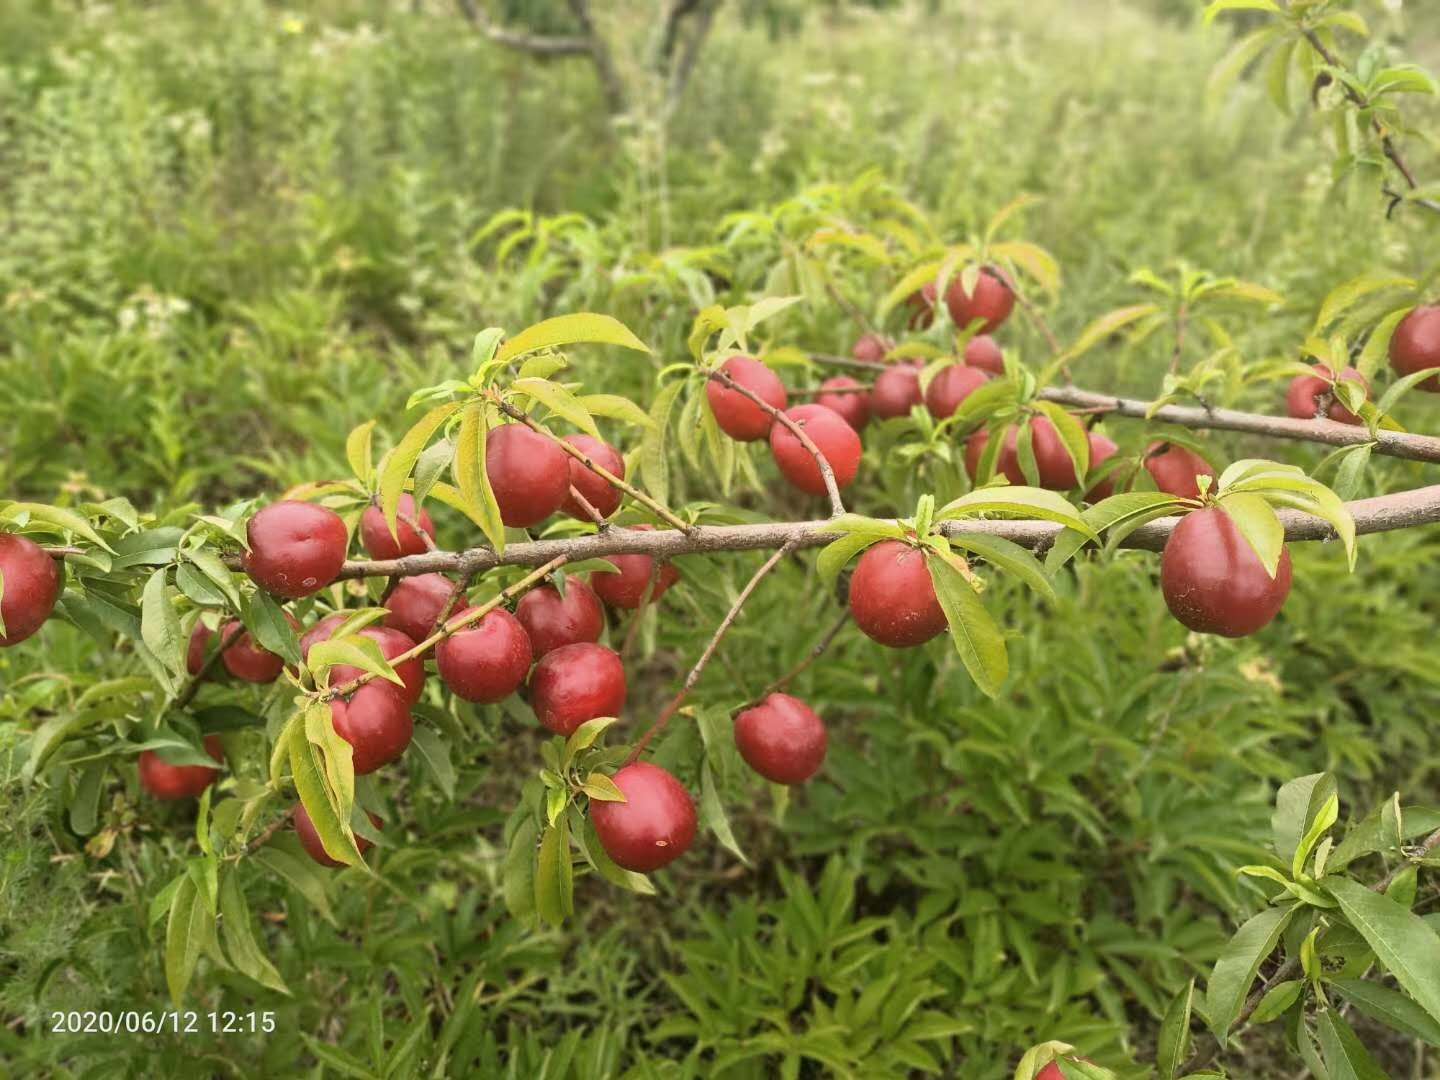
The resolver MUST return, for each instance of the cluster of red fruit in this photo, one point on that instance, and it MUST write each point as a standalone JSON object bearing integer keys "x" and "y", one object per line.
{"x": 1414, "y": 347}
{"x": 549, "y": 645}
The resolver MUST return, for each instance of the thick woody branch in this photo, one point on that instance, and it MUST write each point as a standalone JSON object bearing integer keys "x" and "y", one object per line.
{"x": 1329, "y": 432}
{"x": 827, "y": 474}
{"x": 1384, "y": 513}
{"x": 694, "y": 677}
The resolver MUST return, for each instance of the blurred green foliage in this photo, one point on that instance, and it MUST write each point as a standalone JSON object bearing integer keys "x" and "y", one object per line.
{"x": 233, "y": 232}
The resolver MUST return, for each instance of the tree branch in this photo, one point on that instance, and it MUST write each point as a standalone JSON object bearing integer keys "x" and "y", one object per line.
{"x": 1385, "y": 513}
{"x": 1328, "y": 432}
{"x": 691, "y": 679}
{"x": 599, "y": 51}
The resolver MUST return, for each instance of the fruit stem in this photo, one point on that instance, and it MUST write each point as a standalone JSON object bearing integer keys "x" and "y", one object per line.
{"x": 691, "y": 679}
{"x": 451, "y": 626}
{"x": 837, "y": 505}
{"x": 658, "y": 509}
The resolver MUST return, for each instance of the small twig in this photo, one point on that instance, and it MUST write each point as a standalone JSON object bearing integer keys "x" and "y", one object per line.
{"x": 810, "y": 657}
{"x": 414, "y": 523}
{"x": 837, "y": 505}
{"x": 586, "y": 505}
{"x": 270, "y": 830}
{"x": 459, "y": 589}
{"x": 1033, "y": 314}
{"x": 658, "y": 509}
{"x": 831, "y": 360}
{"x": 453, "y": 626}
{"x": 822, "y": 391}
{"x": 861, "y": 319}
{"x": 63, "y": 552}
{"x": 695, "y": 672}
{"x": 1387, "y": 144}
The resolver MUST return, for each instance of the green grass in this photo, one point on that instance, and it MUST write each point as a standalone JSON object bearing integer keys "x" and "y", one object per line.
{"x": 230, "y": 237}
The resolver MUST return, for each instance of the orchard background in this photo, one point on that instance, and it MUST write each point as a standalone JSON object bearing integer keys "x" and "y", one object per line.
{"x": 1069, "y": 838}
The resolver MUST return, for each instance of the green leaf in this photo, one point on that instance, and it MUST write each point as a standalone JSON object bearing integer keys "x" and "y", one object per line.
{"x": 654, "y": 469}
{"x": 583, "y": 737}
{"x": 1072, "y": 435}
{"x": 1344, "y": 297}
{"x": 599, "y": 786}
{"x": 1297, "y": 804}
{"x": 1342, "y": 1052}
{"x": 519, "y": 880}
{"x": 482, "y": 355}
{"x": 1215, "y": 7}
{"x": 1008, "y": 556}
{"x": 358, "y": 453}
{"x": 977, "y": 639}
{"x": 333, "y": 830}
{"x": 434, "y": 750}
{"x": 1377, "y": 345}
{"x": 1175, "y": 1033}
{"x": 351, "y": 651}
{"x": 477, "y": 498}
{"x": 214, "y": 569}
{"x": 1258, "y": 524}
{"x": 1237, "y": 966}
{"x": 1027, "y": 502}
{"x": 1402, "y": 941}
{"x": 554, "y": 875}
{"x": 1109, "y": 323}
{"x": 576, "y": 329}
{"x": 912, "y": 282}
{"x": 300, "y": 871}
{"x": 559, "y": 401}
{"x": 160, "y": 625}
{"x": 1400, "y": 387}
{"x": 834, "y": 556}
{"x": 1111, "y": 513}
{"x": 1233, "y": 64}
{"x": 239, "y": 938}
{"x": 66, "y": 520}
{"x": 1390, "y": 1007}
{"x": 1277, "y": 1001}
{"x": 266, "y": 621}
{"x": 597, "y": 856}
{"x": 337, "y": 756}
{"x": 1324, "y": 820}
{"x": 401, "y": 461}
{"x": 615, "y": 407}
{"x": 713, "y": 816}
{"x": 186, "y": 935}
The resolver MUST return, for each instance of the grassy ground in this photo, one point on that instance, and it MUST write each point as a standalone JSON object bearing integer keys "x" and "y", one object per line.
{"x": 234, "y": 231}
